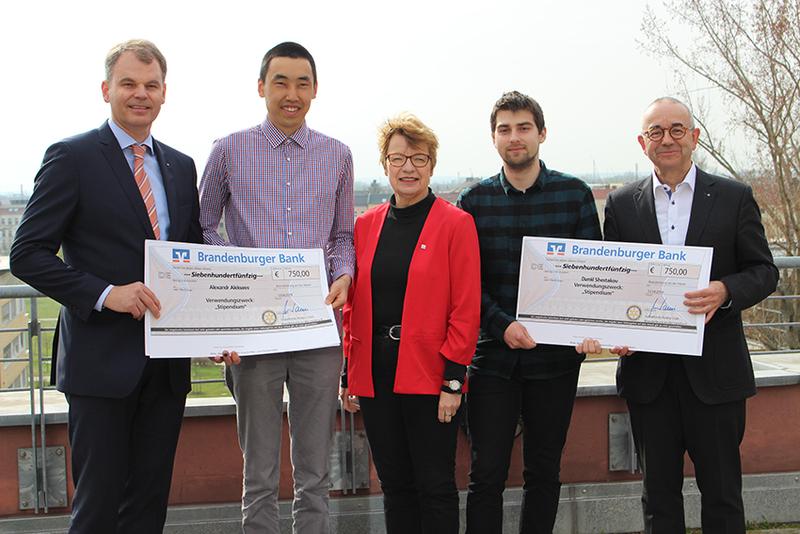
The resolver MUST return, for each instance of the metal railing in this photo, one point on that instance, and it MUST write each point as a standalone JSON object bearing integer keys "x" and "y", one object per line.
{"x": 36, "y": 382}
{"x": 36, "y": 386}
{"x": 34, "y": 330}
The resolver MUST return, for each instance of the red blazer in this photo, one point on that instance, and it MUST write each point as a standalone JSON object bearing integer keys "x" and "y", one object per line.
{"x": 441, "y": 311}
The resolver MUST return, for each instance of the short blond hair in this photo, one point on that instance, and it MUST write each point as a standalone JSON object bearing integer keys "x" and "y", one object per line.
{"x": 414, "y": 130}
{"x": 145, "y": 51}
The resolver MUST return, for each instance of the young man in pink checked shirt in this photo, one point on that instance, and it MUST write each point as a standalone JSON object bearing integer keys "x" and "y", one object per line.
{"x": 284, "y": 185}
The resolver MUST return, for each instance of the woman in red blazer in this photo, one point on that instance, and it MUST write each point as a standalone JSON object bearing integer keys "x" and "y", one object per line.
{"x": 410, "y": 329}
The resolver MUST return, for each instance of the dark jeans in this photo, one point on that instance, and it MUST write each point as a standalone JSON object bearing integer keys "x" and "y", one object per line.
{"x": 414, "y": 453}
{"x": 676, "y": 422}
{"x": 122, "y": 454}
{"x": 495, "y": 405}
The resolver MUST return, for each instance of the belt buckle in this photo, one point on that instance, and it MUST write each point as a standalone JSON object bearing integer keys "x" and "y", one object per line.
{"x": 392, "y": 334}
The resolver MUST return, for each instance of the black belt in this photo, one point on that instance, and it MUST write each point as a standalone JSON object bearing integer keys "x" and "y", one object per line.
{"x": 391, "y": 332}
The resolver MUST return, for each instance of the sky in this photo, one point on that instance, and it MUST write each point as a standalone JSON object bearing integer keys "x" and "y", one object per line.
{"x": 445, "y": 61}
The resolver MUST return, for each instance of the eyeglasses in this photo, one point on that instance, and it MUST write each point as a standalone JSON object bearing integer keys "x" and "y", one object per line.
{"x": 656, "y": 133}
{"x": 417, "y": 160}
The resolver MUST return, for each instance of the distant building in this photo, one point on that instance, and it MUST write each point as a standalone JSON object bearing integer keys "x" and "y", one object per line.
{"x": 379, "y": 192}
{"x": 374, "y": 195}
{"x": 600, "y": 193}
{"x": 11, "y": 209}
{"x": 13, "y": 314}
{"x": 452, "y": 192}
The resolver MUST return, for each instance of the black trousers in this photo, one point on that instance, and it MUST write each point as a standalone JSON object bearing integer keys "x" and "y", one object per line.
{"x": 122, "y": 456}
{"x": 494, "y": 406}
{"x": 664, "y": 430}
{"x": 414, "y": 453}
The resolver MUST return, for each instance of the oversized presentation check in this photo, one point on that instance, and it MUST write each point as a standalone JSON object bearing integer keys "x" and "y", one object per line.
{"x": 253, "y": 301}
{"x": 622, "y": 294}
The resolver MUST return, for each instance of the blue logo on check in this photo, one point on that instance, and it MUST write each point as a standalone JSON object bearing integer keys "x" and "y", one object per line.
{"x": 554, "y": 247}
{"x": 180, "y": 255}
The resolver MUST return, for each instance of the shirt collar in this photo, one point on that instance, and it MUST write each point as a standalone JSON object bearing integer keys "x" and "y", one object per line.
{"x": 126, "y": 140}
{"x": 276, "y": 136}
{"x": 539, "y": 184}
{"x": 690, "y": 179}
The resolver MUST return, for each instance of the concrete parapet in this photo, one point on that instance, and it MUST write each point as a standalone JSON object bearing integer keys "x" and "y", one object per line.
{"x": 584, "y": 509}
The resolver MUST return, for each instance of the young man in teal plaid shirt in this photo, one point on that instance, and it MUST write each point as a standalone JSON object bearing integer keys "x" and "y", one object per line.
{"x": 511, "y": 374}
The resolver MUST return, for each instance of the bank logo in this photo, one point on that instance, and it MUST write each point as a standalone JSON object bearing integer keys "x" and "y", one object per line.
{"x": 180, "y": 255}
{"x": 555, "y": 248}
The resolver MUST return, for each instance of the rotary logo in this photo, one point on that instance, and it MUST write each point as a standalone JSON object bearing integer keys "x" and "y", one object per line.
{"x": 269, "y": 317}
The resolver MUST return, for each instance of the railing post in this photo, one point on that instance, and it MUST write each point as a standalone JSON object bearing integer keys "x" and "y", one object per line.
{"x": 343, "y": 448}
{"x": 34, "y": 328}
{"x": 42, "y": 425}
{"x": 352, "y": 439}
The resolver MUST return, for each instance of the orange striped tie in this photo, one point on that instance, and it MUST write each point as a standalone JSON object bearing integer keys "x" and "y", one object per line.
{"x": 143, "y": 183}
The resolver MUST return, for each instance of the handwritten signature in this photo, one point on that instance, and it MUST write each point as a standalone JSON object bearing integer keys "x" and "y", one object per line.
{"x": 292, "y": 307}
{"x": 661, "y": 304}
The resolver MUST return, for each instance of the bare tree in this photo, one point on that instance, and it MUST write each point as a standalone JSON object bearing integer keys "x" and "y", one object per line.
{"x": 748, "y": 52}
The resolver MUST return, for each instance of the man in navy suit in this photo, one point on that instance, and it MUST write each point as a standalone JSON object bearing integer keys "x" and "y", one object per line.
{"x": 97, "y": 197}
{"x": 685, "y": 403}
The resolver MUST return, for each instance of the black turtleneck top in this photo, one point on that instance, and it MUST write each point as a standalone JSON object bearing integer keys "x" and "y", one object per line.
{"x": 396, "y": 245}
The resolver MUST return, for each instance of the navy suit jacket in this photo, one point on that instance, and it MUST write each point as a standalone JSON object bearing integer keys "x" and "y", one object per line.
{"x": 85, "y": 202}
{"x": 724, "y": 216}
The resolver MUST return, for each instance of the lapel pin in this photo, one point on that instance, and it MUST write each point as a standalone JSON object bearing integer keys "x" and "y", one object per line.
{"x": 423, "y": 246}
{"x": 708, "y": 194}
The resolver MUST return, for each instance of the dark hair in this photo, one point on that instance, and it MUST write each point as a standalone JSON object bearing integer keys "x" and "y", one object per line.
{"x": 145, "y": 52}
{"x": 287, "y": 49}
{"x": 516, "y": 101}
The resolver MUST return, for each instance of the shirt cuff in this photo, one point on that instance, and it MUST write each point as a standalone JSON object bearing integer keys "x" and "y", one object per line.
{"x": 454, "y": 371}
{"x": 343, "y": 376}
{"x": 335, "y": 275}
{"x": 102, "y": 300}
{"x": 499, "y": 324}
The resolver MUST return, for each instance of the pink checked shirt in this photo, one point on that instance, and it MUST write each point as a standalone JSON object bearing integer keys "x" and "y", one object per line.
{"x": 281, "y": 192}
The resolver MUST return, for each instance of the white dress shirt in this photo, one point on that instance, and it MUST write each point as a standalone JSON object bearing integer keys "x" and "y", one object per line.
{"x": 673, "y": 208}
{"x": 156, "y": 186}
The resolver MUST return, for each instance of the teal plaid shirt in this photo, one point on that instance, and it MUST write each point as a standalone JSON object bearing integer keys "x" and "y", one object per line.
{"x": 557, "y": 205}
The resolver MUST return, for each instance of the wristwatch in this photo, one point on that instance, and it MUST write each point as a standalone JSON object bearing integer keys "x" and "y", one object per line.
{"x": 451, "y": 386}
